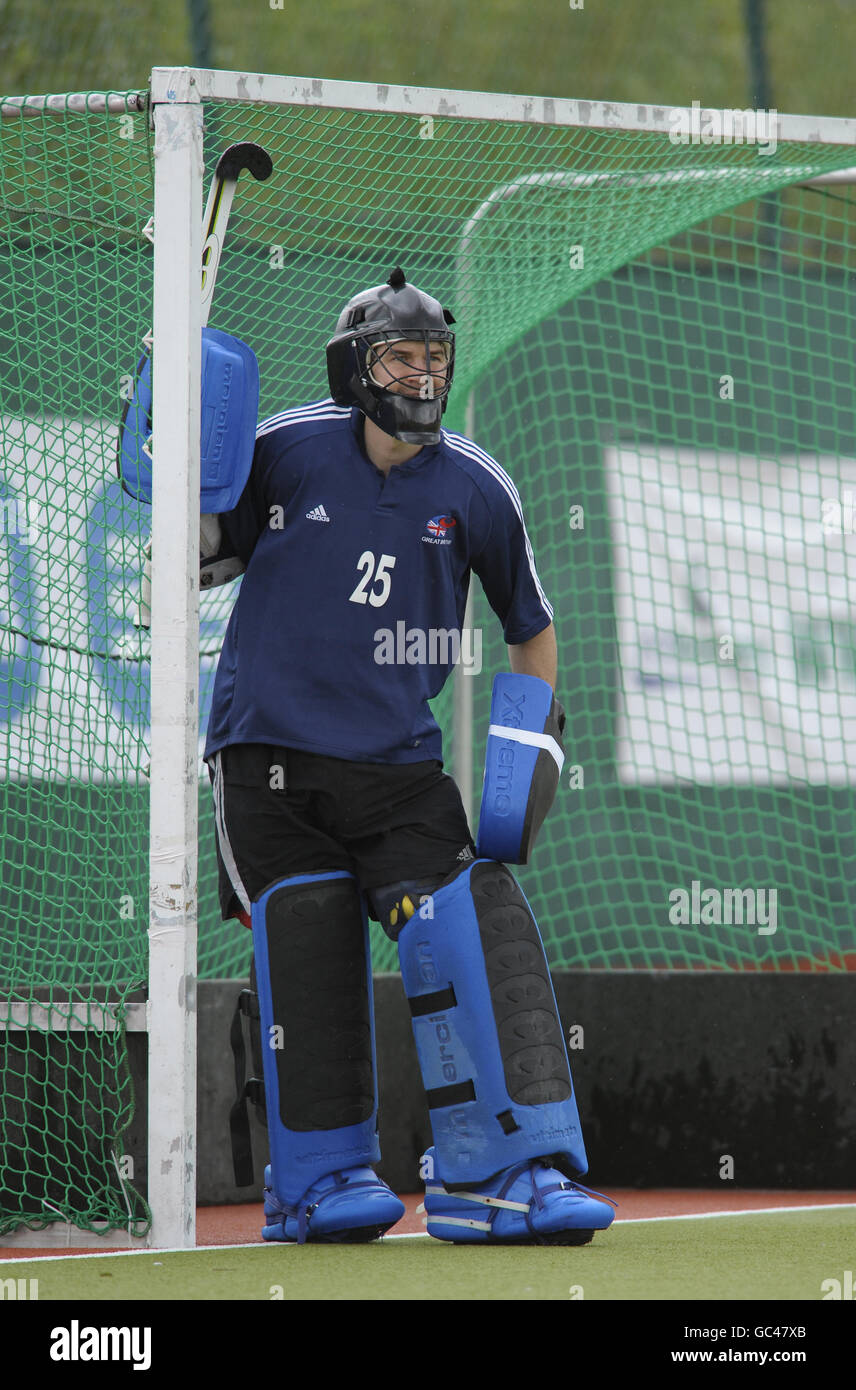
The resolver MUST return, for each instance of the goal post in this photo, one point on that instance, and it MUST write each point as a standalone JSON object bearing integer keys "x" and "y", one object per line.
{"x": 176, "y": 425}
{"x": 655, "y": 340}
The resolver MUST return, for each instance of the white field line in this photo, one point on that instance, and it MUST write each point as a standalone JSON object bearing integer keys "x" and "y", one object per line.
{"x": 417, "y": 1235}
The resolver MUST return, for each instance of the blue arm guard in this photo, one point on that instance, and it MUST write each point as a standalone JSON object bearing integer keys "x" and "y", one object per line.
{"x": 523, "y": 763}
{"x": 230, "y": 403}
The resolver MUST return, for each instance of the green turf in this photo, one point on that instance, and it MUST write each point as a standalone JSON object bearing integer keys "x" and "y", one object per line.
{"x": 782, "y": 1256}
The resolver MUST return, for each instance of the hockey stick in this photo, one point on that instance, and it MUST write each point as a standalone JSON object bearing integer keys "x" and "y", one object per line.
{"x": 217, "y": 210}
{"x": 219, "y": 206}
{"x": 232, "y": 161}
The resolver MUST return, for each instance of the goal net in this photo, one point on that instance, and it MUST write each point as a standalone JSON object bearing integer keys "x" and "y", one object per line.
{"x": 655, "y": 339}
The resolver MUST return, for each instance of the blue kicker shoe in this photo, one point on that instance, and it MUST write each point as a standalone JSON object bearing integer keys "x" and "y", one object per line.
{"x": 529, "y": 1204}
{"x": 350, "y": 1206}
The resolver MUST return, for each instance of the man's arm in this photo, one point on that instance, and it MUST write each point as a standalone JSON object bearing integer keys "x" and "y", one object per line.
{"x": 537, "y": 657}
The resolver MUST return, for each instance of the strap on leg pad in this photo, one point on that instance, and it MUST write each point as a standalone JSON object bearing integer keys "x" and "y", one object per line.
{"x": 487, "y": 1029}
{"x": 310, "y": 940}
{"x": 246, "y": 1089}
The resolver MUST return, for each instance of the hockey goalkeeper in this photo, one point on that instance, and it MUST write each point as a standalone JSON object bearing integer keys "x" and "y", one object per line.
{"x": 362, "y": 517}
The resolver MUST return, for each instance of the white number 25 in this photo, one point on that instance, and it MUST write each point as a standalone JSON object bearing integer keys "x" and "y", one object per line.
{"x": 366, "y": 563}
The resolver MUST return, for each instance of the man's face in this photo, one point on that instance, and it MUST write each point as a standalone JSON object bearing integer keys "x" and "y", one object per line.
{"x": 401, "y": 367}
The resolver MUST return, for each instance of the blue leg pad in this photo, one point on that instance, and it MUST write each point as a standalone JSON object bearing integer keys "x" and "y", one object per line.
{"x": 530, "y": 1203}
{"x": 310, "y": 940}
{"x": 487, "y": 1030}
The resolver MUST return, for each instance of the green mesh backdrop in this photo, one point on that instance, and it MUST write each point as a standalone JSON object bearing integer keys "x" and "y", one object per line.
{"x": 654, "y": 341}
{"x": 75, "y": 291}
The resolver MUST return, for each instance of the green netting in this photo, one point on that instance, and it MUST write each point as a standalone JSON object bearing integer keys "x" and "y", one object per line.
{"x": 75, "y": 291}
{"x": 655, "y": 340}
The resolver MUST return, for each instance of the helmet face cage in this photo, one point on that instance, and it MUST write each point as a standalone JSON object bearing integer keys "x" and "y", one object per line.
{"x": 423, "y": 376}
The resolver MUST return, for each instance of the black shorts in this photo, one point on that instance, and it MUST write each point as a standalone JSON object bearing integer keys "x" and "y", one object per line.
{"x": 279, "y": 811}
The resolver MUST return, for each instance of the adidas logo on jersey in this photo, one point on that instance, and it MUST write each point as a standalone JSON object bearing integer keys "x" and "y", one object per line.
{"x": 317, "y": 514}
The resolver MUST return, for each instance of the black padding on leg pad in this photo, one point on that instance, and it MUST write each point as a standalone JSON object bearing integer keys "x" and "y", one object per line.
{"x": 527, "y": 1021}
{"x": 319, "y": 988}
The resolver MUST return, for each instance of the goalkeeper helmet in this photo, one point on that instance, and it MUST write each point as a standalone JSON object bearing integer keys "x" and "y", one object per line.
{"x": 371, "y": 364}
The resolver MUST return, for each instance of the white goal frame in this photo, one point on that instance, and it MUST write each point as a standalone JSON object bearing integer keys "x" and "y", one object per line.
{"x": 176, "y": 97}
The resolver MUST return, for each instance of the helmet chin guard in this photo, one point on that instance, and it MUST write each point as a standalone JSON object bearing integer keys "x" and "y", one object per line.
{"x": 389, "y": 314}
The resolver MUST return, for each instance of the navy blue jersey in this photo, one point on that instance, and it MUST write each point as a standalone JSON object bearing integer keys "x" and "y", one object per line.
{"x": 353, "y": 599}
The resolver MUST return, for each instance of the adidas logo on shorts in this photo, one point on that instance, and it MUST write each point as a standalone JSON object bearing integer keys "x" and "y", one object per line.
{"x": 317, "y": 514}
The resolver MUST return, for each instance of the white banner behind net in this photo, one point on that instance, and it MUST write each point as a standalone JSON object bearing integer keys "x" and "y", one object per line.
{"x": 735, "y": 597}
